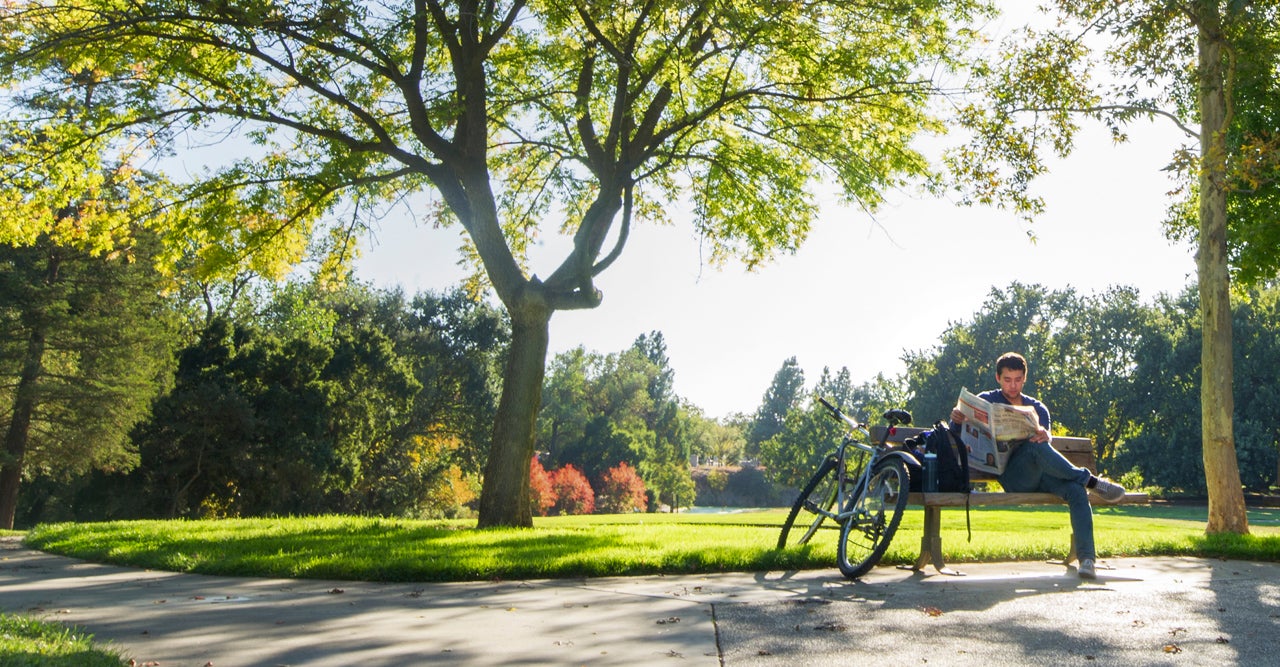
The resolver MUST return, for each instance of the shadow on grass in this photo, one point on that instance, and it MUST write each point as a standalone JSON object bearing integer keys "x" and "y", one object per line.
{"x": 1239, "y": 547}
{"x": 368, "y": 549}
{"x": 391, "y": 551}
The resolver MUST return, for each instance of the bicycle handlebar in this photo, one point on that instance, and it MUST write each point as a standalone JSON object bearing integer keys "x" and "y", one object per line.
{"x": 837, "y": 414}
{"x": 895, "y": 417}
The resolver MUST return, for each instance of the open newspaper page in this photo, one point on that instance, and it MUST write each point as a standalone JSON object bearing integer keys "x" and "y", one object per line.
{"x": 989, "y": 429}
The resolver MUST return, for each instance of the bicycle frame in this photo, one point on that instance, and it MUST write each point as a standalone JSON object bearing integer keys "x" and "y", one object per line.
{"x": 867, "y": 506}
{"x": 877, "y": 452}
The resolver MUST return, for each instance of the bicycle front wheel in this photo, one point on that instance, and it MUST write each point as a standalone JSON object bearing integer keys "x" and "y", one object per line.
{"x": 811, "y": 506}
{"x": 876, "y": 512}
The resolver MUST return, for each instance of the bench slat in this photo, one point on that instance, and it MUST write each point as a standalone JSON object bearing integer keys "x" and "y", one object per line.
{"x": 1002, "y": 499}
{"x": 1079, "y": 451}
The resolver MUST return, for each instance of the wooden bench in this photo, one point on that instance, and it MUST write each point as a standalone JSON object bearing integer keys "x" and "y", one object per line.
{"x": 1078, "y": 451}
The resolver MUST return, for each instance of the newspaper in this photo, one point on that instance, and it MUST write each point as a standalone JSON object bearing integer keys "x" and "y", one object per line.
{"x": 991, "y": 429}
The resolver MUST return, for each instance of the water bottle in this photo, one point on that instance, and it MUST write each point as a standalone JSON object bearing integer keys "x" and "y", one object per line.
{"x": 930, "y": 471}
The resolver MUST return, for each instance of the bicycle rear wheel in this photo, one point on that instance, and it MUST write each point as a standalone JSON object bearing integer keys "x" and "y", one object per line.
{"x": 877, "y": 510}
{"x": 817, "y": 497}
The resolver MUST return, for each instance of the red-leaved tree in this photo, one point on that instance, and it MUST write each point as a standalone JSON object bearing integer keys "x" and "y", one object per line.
{"x": 541, "y": 495}
{"x": 622, "y": 490}
{"x": 573, "y": 493}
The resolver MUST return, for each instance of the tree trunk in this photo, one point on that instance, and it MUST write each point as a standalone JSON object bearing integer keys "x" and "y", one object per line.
{"x": 16, "y": 437}
{"x": 1217, "y": 405}
{"x": 504, "y": 498}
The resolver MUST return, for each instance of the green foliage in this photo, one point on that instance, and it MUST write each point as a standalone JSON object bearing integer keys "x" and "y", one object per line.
{"x": 1081, "y": 351}
{"x": 85, "y": 344}
{"x": 793, "y": 455}
{"x": 783, "y": 395}
{"x": 97, "y": 334}
{"x": 351, "y": 400}
{"x": 600, "y": 411}
{"x": 1117, "y": 63}
{"x": 1124, "y": 373}
{"x": 672, "y": 485}
{"x": 1166, "y": 394}
{"x": 1252, "y": 148}
{"x": 715, "y": 442}
{"x": 809, "y": 433}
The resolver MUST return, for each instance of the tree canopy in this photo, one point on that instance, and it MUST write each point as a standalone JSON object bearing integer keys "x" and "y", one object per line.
{"x": 511, "y": 119}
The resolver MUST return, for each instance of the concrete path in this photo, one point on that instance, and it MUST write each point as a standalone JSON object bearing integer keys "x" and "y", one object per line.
{"x": 1145, "y": 611}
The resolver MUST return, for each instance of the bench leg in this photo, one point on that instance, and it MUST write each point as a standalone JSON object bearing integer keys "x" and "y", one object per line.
{"x": 1072, "y": 555}
{"x": 931, "y": 543}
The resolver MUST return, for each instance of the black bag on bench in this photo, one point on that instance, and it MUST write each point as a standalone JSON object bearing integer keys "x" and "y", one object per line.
{"x": 953, "y": 458}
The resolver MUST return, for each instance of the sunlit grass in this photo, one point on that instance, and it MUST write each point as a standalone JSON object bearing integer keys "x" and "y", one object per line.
{"x": 30, "y": 642}
{"x": 371, "y": 549}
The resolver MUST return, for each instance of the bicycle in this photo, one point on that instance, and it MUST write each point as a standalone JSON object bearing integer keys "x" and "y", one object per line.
{"x": 868, "y": 482}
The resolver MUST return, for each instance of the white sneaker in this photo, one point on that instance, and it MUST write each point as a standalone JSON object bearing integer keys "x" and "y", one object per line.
{"x": 1108, "y": 490}
{"x": 1087, "y": 570}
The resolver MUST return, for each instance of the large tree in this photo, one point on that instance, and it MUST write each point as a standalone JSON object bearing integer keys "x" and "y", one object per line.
{"x": 1206, "y": 65}
{"x": 85, "y": 344}
{"x": 521, "y": 117}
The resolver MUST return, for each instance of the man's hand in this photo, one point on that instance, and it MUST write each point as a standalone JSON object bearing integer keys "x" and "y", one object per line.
{"x": 1041, "y": 435}
{"x": 957, "y": 416}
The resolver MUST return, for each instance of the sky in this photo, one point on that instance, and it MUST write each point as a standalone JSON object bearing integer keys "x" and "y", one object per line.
{"x": 864, "y": 288}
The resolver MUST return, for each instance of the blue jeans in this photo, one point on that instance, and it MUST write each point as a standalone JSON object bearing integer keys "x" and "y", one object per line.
{"x": 1037, "y": 466}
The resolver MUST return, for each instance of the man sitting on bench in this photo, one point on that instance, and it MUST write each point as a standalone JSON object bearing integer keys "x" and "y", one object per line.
{"x": 1035, "y": 465}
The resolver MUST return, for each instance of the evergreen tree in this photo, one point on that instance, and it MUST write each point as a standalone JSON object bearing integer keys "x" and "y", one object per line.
{"x": 85, "y": 344}
{"x": 783, "y": 394}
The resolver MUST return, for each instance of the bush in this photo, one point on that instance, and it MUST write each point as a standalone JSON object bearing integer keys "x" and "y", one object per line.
{"x": 541, "y": 494}
{"x": 622, "y": 491}
{"x": 573, "y": 494}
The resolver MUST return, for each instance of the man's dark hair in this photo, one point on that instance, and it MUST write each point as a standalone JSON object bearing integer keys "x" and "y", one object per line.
{"x": 1011, "y": 361}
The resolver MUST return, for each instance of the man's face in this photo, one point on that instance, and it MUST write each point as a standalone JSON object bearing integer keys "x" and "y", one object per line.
{"x": 1011, "y": 382}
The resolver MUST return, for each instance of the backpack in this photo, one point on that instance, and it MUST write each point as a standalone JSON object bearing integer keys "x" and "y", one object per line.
{"x": 953, "y": 458}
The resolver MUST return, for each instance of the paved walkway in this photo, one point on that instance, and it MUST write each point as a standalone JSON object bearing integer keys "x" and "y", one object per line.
{"x": 1145, "y": 611}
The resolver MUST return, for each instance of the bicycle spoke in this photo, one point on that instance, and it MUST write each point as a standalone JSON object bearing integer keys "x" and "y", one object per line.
{"x": 874, "y": 518}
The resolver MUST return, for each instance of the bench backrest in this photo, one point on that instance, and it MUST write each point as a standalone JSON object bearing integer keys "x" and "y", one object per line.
{"x": 1078, "y": 451}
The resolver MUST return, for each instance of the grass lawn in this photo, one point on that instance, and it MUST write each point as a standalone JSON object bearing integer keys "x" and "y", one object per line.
{"x": 373, "y": 549}
{"x": 26, "y": 641}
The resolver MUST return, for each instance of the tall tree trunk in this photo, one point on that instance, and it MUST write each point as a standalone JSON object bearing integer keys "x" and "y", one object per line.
{"x": 504, "y": 498}
{"x": 24, "y": 404}
{"x": 19, "y": 431}
{"x": 1217, "y": 405}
